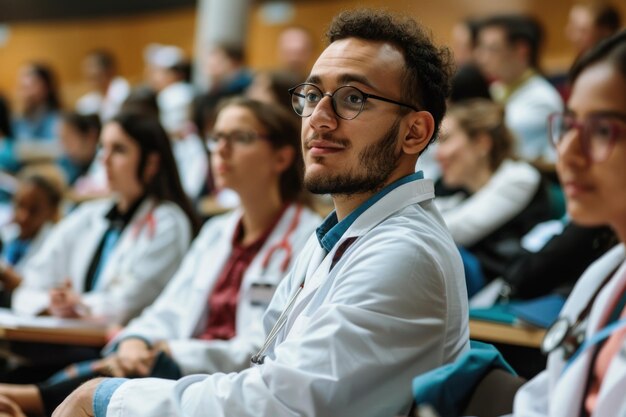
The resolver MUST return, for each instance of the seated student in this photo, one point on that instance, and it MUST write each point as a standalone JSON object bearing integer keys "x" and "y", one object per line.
{"x": 504, "y": 198}
{"x": 110, "y": 258}
{"x": 35, "y": 210}
{"x": 209, "y": 318}
{"x": 39, "y": 103}
{"x": 586, "y": 364}
{"x": 79, "y": 142}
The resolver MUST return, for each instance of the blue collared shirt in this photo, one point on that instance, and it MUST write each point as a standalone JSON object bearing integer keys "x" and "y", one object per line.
{"x": 331, "y": 230}
{"x": 328, "y": 233}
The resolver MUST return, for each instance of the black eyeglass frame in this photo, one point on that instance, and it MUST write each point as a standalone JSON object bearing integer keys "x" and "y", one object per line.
{"x": 366, "y": 96}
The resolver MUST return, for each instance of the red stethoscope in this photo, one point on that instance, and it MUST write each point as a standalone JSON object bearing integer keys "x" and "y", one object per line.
{"x": 148, "y": 222}
{"x": 284, "y": 244}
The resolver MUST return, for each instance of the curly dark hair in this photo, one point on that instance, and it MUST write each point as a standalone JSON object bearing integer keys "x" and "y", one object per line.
{"x": 428, "y": 68}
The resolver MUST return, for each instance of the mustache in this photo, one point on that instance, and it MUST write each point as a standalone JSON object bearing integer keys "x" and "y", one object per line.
{"x": 327, "y": 137}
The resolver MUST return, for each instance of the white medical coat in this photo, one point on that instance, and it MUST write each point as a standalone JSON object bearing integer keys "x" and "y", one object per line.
{"x": 558, "y": 392}
{"x": 394, "y": 306}
{"x": 181, "y": 311}
{"x": 147, "y": 254}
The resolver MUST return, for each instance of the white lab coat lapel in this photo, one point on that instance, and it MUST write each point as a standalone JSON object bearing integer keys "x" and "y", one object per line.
{"x": 611, "y": 393}
{"x": 80, "y": 264}
{"x": 319, "y": 272}
{"x": 207, "y": 274}
{"x": 571, "y": 384}
{"x": 135, "y": 233}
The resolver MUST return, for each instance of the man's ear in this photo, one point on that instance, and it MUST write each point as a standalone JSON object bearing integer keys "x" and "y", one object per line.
{"x": 283, "y": 158}
{"x": 153, "y": 163}
{"x": 419, "y": 132}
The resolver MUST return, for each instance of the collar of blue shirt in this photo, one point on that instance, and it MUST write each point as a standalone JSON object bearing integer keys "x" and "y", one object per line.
{"x": 331, "y": 230}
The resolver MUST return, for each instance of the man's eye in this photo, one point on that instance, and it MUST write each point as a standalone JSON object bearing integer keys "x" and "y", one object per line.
{"x": 312, "y": 96}
{"x": 354, "y": 99}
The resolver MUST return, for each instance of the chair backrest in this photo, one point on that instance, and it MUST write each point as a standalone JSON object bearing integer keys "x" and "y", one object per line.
{"x": 493, "y": 395}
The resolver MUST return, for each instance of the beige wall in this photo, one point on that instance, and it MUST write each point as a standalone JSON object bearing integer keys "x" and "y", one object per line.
{"x": 63, "y": 44}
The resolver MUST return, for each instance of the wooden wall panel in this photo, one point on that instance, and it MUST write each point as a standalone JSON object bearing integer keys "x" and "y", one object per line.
{"x": 64, "y": 43}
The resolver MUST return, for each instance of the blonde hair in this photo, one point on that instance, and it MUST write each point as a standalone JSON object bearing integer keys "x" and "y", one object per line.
{"x": 481, "y": 116}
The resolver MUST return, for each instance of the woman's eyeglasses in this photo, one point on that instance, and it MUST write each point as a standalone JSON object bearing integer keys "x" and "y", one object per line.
{"x": 234, "y": 138}
{"x": 597, "y": 133}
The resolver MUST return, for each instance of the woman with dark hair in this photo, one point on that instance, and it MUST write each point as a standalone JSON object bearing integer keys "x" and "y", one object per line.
{"x": 586, "y": 364}
{"x": 209, "y": 318}
{"x": 39, "y": 100}
{"x": 503, "y": 198}
{"x": 110, "y": 258}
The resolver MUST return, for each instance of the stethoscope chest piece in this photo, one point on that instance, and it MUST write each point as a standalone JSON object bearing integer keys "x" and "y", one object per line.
{"x": 555, "y": 336}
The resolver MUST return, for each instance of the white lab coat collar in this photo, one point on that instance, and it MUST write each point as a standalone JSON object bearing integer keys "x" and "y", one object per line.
{"x": 318, "y": 265}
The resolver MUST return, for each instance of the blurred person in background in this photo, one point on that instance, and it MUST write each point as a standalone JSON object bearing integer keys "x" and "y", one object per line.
{"x": 272, "y": 87}
{"x": 169, "y": 74}
{"x": 508, "y": 53}
{"x": 108, "y": 90}
{"x": 36, "y": 205}
{"x": 79, "y": 136}
{"x": 295, "y": 51}
{"x": 110, "y": 258}
{"x": 502, "y": 198}
{"x": 39, "y": 103}
{"x": 590, "y": 21}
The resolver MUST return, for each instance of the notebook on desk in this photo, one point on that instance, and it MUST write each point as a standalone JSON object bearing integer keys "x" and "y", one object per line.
{"x": 540, "y": 312}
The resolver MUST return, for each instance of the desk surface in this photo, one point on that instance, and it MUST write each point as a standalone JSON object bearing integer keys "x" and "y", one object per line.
{"x": 97, "y": 336}
{"x": 83, "y": 337}
{"x": 504, "y": 333}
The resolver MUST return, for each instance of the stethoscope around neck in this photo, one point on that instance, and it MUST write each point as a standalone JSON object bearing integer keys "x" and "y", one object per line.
{"x": 570, "y": 337}
{"x": 284, "y": 244}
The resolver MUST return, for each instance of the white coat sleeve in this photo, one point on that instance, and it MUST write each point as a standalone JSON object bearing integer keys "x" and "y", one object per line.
{"x": 494, "y": 205}
{"x": 49, "y": 267}
{"x": 144, "y": 276}
{"x": 352, "y": 351}
{"x": 164, "y": 318}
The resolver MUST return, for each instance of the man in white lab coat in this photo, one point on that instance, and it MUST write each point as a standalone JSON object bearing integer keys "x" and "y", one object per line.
{"x": 378, "y": 294}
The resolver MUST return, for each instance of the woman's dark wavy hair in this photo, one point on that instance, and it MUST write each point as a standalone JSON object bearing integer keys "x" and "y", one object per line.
{"x": 428, "y": 68}
{"x": 147, "y": 132}
{"x": 611, "y": 50}
{"x": 5, "y": 119}
{"x": 282, "y": 130}
{"x": 47, "y": 76}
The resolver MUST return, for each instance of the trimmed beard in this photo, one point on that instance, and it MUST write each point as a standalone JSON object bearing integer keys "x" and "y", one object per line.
{"x": 378, "y": 161}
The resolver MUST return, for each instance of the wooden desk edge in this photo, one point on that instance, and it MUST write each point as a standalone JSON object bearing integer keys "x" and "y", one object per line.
{"x": 95, "y": 338}
{"x": 504, "y": 333}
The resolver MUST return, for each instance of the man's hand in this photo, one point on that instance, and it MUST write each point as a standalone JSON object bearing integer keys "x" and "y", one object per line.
{"x": 80, "y": 402}
{"x": 9, "y": 408}
{"x": 135, "y": 358}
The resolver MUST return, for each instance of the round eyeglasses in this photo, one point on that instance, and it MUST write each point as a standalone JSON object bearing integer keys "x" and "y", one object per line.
{"x": 597, "y": 133}
{"x": 236, "y": 137}
{"x": 347, "y": 101}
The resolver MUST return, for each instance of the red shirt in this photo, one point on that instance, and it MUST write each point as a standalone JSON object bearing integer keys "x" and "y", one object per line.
{"x": 225, "y": 295}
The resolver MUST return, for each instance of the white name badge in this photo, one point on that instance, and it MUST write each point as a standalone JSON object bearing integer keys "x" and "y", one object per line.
{"x": 261, "y": 293}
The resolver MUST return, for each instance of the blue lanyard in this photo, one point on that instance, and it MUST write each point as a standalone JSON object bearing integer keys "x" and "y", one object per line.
{"x": 595, "y": 339}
